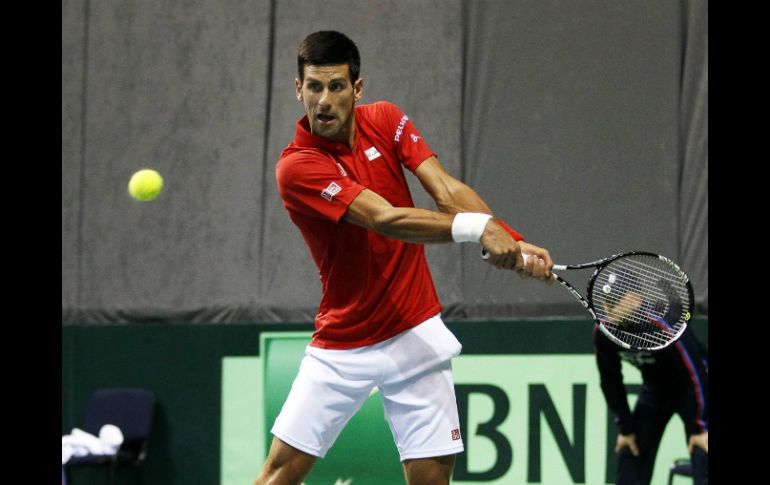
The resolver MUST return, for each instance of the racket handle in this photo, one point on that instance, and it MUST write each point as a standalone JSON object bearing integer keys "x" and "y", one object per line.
{"x": 485, "y": 255}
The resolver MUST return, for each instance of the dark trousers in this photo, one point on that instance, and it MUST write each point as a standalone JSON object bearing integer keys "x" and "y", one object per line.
{"x": 652, "y": 413}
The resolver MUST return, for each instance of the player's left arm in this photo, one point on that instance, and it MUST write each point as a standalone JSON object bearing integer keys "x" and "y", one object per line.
{"x": 453, "y": 196}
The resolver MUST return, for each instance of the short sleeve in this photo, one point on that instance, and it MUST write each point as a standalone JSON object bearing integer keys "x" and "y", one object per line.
{"x": 410, "y": 147}
{"x": 314, "y": 185}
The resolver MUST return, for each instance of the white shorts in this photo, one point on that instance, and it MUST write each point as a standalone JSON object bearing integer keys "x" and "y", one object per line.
{"x": 413, "y": 372}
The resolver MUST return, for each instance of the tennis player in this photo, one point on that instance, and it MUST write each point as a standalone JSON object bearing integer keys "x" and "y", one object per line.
{"x": 379, "y": 321}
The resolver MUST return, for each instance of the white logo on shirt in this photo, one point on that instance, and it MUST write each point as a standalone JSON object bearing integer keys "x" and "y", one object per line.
{"x": 342, "y": 170}
{"x": 372, "y": 153}
{"x": 329, "y": 192}
{"x": 414, "y": 137}
{"x": 400, "y": 128}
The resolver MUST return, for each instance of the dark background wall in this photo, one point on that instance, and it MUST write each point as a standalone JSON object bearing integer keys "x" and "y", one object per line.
{"x": 584, "y": 125}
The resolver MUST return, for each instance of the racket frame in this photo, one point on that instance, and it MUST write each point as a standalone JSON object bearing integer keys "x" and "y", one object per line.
{"x": 588, "y": 303}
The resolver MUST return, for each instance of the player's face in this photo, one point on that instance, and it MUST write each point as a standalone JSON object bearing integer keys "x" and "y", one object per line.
{"x": 329, "y": 97}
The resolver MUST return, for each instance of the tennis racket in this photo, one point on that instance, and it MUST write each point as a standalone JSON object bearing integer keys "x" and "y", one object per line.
{"x": 639, "y": 300}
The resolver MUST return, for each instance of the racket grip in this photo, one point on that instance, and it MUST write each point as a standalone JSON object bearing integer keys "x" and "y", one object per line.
{"x": 485, "y": 254}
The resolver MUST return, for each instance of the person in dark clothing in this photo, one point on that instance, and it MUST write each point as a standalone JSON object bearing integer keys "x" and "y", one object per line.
{"x": 674, "y": 381}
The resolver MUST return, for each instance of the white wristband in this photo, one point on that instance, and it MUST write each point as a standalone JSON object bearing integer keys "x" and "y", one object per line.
{"x": 469, "y": 226}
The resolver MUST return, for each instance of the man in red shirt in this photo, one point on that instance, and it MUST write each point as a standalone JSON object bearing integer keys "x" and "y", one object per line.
{"x": 378, "y": 323}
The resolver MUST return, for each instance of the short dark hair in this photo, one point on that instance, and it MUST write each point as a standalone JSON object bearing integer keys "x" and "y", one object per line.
{"x": 328, "y": 48}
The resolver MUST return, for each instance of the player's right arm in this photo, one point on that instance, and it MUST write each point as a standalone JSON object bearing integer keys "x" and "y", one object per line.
{"x": 416, "y": 225}
{"x": 372, "y": 211}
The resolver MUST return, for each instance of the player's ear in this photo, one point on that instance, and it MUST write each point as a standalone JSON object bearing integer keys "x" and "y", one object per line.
{"x": 358, "y": 89}
{"x": 298, "y": 88}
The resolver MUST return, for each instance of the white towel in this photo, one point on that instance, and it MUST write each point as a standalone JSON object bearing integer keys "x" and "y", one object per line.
{"x": 80, "y": 443}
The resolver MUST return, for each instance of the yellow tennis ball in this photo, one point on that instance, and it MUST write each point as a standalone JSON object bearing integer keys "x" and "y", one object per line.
{"x": 145, "y": 185}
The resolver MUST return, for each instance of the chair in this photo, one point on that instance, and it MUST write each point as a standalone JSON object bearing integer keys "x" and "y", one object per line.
{"x": 681, "y": 466}
{"x": 129, "y": 409}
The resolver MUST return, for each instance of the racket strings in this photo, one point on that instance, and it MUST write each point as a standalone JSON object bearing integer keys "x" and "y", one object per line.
{"x": 641, "y": 300}
{"x": 642, "y": 279}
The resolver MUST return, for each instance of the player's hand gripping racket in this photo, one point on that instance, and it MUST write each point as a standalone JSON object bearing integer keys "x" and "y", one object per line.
{"x": 639, "y": 300}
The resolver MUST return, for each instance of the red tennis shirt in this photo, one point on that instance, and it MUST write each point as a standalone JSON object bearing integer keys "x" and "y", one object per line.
{"x": 373, "y": 287}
